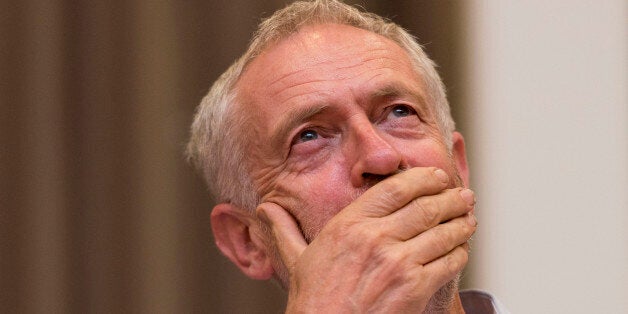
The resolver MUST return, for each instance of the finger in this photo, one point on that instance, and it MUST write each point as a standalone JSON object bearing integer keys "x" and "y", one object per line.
{"x": 447, "y": 267}
{"x": 442, "y": 239}
{"x": 398, "y": 190}
{"x": 289, "y": 239}
{"x": 426, "y": 212}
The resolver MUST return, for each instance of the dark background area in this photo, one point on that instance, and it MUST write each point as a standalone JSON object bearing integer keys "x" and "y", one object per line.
{"x": 99, "y": 210}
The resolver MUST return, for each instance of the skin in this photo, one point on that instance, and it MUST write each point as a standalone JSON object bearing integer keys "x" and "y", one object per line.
{"x": 362, "y": 206}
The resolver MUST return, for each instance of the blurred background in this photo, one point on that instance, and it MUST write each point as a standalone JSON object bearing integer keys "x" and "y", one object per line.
{"x": 99, "y": 212}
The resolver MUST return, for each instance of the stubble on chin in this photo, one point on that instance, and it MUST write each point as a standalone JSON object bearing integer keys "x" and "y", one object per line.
{"x": 442, "y": 301}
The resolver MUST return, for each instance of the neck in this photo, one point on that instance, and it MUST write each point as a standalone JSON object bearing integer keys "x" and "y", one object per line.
{"x": 456, "y": 306}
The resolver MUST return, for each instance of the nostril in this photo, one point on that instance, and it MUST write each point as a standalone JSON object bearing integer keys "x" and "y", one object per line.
{"x": 371, "y": 179}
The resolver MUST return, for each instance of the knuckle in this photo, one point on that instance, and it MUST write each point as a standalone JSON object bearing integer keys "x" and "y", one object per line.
{"x": 384, "y": 256}
{"x": 390, "y": 262}
{"x": 442, "y": 242}
{"x": 465, "y": 229}
{"x": 390, "y": 191}
{"x": 366, "y": 236}
{"x": 428, "y": 210}
{"x": 454, "y": 195}
{"x": 456, "y": 260}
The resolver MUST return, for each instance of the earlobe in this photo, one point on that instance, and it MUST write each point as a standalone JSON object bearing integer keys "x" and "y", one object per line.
{"x": 232, "y": 228}
{"x": 460, "y": 157}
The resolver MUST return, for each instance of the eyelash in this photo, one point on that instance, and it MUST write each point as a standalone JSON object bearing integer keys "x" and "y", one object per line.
{"x": 391, "y": 109}
{"x": 297, "y": 137}
{"x": 387, "y": 111}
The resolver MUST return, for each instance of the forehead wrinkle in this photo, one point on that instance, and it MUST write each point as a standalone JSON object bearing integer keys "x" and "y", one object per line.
{"x": 285, "y": 77}
{"x": 374, "y": 55}
{"x": 314, "y": 62}
{"x": 303, "y": 71}
{"x": 287, "y": 89}
{"x": 304, "y": 95}
{"x": 366, "y": 62}
{"x": 307, "y": 92}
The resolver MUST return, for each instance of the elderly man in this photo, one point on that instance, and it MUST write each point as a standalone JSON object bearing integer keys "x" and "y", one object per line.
{"x": 332, "y": 155}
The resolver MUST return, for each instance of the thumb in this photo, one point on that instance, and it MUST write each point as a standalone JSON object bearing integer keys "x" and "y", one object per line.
{"x": 289, "y": 239}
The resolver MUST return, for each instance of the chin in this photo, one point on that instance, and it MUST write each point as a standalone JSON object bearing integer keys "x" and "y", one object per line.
{"x": 442, "y": 300}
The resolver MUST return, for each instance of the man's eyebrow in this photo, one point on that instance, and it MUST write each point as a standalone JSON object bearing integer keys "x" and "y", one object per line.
{"x": 397, "y": 90}
{"x": 294, "y": 118}
{"x": 401, "y": 90}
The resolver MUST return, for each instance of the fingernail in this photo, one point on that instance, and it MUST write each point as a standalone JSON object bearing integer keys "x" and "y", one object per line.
{"x": 468, "y": 196}
{"x": 441, "y": 175}
{"x": 471, "y": 220}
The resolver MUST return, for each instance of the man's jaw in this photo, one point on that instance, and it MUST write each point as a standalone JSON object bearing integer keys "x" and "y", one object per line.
{"x": 443, "y": 300}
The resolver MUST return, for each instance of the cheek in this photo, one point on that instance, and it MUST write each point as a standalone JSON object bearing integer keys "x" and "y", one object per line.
{"x": 428, "y": 154}
{"x": 435, "y": 155}
{"x": 321, "y": 195}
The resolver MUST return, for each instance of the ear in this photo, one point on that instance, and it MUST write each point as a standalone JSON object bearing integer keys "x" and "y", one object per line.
{"x": 460, "y": 157}
{"x": 232, "y": 227}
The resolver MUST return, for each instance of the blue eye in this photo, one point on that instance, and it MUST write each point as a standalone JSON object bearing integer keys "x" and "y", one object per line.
{"x": 401, "y": 111}
{"x": 308, "y": 135}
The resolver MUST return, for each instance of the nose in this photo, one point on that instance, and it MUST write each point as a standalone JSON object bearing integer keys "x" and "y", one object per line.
{"x": 374, "y": 158}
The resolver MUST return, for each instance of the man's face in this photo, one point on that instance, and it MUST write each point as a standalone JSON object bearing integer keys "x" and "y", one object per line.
{"x": 334, "y": 109}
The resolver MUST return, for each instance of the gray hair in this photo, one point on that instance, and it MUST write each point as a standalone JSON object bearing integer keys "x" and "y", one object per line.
{"x": 216, "y": 146}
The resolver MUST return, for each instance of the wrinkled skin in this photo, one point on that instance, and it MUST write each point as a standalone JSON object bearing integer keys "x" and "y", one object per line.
{"x": 345, "y": 153}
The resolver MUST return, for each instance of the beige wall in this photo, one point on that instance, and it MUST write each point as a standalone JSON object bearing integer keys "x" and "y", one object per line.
{"x": 548, "y": 112}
